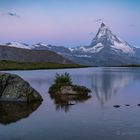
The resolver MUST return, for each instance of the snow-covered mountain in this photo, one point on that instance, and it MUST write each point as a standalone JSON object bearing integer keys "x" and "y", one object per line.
{"x": 29, "y": 55}
{"x": 41, "y": 45}
{"x": 18, "y": 45}
{"x": 105, "y": 49}
{"x": 58, "y": 49}
{"x": 104, "y": 39}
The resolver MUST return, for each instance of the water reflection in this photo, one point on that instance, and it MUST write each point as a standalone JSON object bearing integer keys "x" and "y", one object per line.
{"x": 91, "y": 122}
{"x": 108, "y": 82}
{"x": 64, "y": 102}
{"x": 104, "y": 82}
{"x": 11, "y": 112}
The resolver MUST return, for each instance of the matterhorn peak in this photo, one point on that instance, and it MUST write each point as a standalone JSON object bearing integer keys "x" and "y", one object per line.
{"x": 107, "y": 40}
{"x": 103, "y": 24}
{"x": 103, "y": 31}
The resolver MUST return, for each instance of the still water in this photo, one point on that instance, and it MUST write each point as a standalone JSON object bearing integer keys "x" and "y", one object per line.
{"x": 94, "y": 118}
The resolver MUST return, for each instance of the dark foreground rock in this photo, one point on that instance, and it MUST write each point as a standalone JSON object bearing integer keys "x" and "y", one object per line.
{"x": 11, "y": 112}
{"x": 14, "y": 88}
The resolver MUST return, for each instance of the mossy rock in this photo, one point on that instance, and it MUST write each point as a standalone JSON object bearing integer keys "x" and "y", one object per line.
{"x": 63, "y": 86}
{"x": 14, "y": 88}
{"x": 69, "y": 90}
{"x": 65, "y": 93}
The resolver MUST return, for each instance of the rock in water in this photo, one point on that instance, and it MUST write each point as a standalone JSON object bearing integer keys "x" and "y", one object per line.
{"x": 65, "y": 93}
{"x": 116, "y": 106}
{"x": 14, "y": 88}
{"x": 67, "y": 90}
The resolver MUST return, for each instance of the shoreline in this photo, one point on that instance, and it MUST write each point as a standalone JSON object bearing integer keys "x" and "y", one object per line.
{"x": 15, "y": 66}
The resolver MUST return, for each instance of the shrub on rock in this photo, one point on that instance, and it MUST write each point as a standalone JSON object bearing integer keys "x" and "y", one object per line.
{"x": 63, "y": 85}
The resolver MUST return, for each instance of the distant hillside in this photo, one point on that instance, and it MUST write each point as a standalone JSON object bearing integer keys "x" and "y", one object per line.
{"x": 26, "y": 55}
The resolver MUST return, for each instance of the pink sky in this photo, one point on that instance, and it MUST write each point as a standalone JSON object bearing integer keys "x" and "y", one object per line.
{"x": 69, "y": 24}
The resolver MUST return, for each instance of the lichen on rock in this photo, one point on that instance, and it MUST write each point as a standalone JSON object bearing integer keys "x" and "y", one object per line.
{"x": 14, "y": 88}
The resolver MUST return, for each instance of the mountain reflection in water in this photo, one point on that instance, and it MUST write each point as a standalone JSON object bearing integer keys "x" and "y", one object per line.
{"x": 11, "y": 112}
{"x": 106, "y": 83}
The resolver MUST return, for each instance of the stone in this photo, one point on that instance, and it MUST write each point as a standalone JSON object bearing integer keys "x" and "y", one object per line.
{"x": 14, "y": 88}
{"x": 127, "y": 105}
{"x": 67, "y": 90}
{"x": 116, "y": 106}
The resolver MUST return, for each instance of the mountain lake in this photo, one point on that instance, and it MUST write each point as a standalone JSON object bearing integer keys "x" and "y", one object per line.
{"x": 95, "y": 118}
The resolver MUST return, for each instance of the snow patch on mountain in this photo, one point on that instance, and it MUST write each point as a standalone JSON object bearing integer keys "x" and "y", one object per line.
{"x": 41, "y": 45}
{"x": 98, "y": 47}
{"x": 124, "y": 47}
{"x": 71, "y": 49}
{"x": 18, "y": 45}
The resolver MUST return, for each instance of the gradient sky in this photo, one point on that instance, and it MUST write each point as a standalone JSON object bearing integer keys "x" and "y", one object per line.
{"x": 67, "y": 22}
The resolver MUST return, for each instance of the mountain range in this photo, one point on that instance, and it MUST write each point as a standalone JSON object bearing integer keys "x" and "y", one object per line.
{"x": 105, "y": 49}
{"x": 21, "y": 54}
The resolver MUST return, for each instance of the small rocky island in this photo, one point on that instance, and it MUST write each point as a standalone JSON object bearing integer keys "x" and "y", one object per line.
{"x": 65, "y": 93}
{"x": 14, "y": 88}
{"x": 63, "y": 86}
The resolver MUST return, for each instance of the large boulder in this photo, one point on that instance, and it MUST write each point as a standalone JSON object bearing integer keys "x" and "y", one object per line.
{"x": 14, "y": 88}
